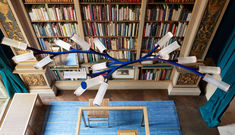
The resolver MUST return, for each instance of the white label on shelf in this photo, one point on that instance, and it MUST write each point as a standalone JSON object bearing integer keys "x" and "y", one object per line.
{"x": 84, "y": 45}
{"x": 13, "y": 43}
{"x": 63, "y": 44}
{"x": 23, "y": 57}
{"x": 99, "y": 45}
{"x": 79, "y": 91}
{"x": 74, "y": 74}
{"x": 99, "y": 66}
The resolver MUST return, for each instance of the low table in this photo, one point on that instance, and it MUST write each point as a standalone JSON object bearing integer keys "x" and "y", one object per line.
{"x": 113, "y": 108}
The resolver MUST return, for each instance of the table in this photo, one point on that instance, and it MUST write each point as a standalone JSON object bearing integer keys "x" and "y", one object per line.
{"x": 113, "y": 108}
{"x": 19, "y": 113}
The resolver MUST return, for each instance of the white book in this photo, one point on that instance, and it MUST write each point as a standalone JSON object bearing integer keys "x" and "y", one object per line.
{"x": 58, "y": 13}
{"x": 31, "y": 15}
{"x": 189, "y": 16}
{"x": 157, "y": 14}
{"x": 185, "y": 29}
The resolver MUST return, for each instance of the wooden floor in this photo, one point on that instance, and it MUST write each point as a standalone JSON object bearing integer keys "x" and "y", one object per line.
{"x": 187, "y": 106}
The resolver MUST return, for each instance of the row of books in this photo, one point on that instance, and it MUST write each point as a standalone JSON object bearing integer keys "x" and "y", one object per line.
{"x": 171, "y": 0}
{"x": 45, "y": 13}
{"x": 47, "y": 1}
{"x": 169, "y": 13}
{"x": 110, "y": 29}
{"x": 110, "y": 13}
{"x": 116, "y": 43}
{"x": 149, "y": 43}
{"x": 55, "y": 29}
{"x": 121, "y": 55}
{"x": 155, "y": 74}
{"x": 160, "y": 29}
{"x": 129, "y": 1}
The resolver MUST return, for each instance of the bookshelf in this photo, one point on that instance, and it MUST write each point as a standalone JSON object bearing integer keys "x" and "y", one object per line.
{"x": 182, "y": 18}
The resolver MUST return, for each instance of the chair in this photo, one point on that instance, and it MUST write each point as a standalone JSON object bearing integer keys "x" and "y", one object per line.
{"x": 127, "y": 132}
{"x": 92, "y": 115}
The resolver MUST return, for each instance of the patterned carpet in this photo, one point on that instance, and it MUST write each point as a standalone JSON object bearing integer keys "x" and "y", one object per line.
{"x": 163, "y": 119}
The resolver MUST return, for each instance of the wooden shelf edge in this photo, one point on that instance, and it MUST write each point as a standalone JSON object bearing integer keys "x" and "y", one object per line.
{"x": 118, "y": 85}
{"x": 40, "y": 3}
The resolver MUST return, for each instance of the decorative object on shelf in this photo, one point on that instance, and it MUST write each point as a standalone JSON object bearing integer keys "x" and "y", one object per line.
{"x": 101, "y": 77}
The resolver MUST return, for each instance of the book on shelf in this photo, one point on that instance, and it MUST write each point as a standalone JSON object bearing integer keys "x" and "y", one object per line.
{"x": 55, "y": 29}
{"x": 178, "y": 29}
{"x": 155, "y": 74}
{"x": 52, "y": 13}
{"x": 110, "y": 12}
{"x": 48, "y": 1}
{"x": 111, "y": 29}
{"x": 114, "y": 1}
{"x": 168, "y": 13}
{"x": 121, "y": 55}
{"x": 175, "y": 1}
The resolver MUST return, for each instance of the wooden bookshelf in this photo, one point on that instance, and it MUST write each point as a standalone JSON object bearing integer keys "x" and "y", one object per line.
{"x": 153, "y": 21}
{"x": 112, "y": 36}
{"x": 198, "y": 8}
{"x": 125, "y": 21}
{"x": 170, "y": 3}
{"x": 51, "y": 3}
{"x": 55, "y": 21}
{"x": 109, "y": 3}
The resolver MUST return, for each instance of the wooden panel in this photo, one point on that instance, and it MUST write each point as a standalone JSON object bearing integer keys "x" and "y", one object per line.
{"x": 141, "y": 28}
{"x": 209, "y": 24}
{"x": 117, "y": 85}
{"x": 9, "y": 25}
{"x": 193, "y": 26}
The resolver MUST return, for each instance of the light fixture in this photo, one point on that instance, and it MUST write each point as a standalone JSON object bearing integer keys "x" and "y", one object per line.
{"x": 81, "y": 42}
{"x": 14, "y": 43}
{"x": 62, "y": 44}
{"x": 88, "y": 84}
{"x": 43, "y": 62}
{"x": 165, "y": 39}
{"x": 170, "y": 48}
{"x": 99, "y": 45}
{"x": 187, "y": 60}
{"x": 209, "y": 69}
{"x": 98, "y": 77}
{"x": 100, "y": 94}
{"x": 220, "y": 84}
{"x": 23, "y": 57}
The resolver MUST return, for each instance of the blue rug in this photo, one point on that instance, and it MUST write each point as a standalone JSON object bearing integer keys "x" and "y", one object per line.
{"x": 162, "y": 115}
